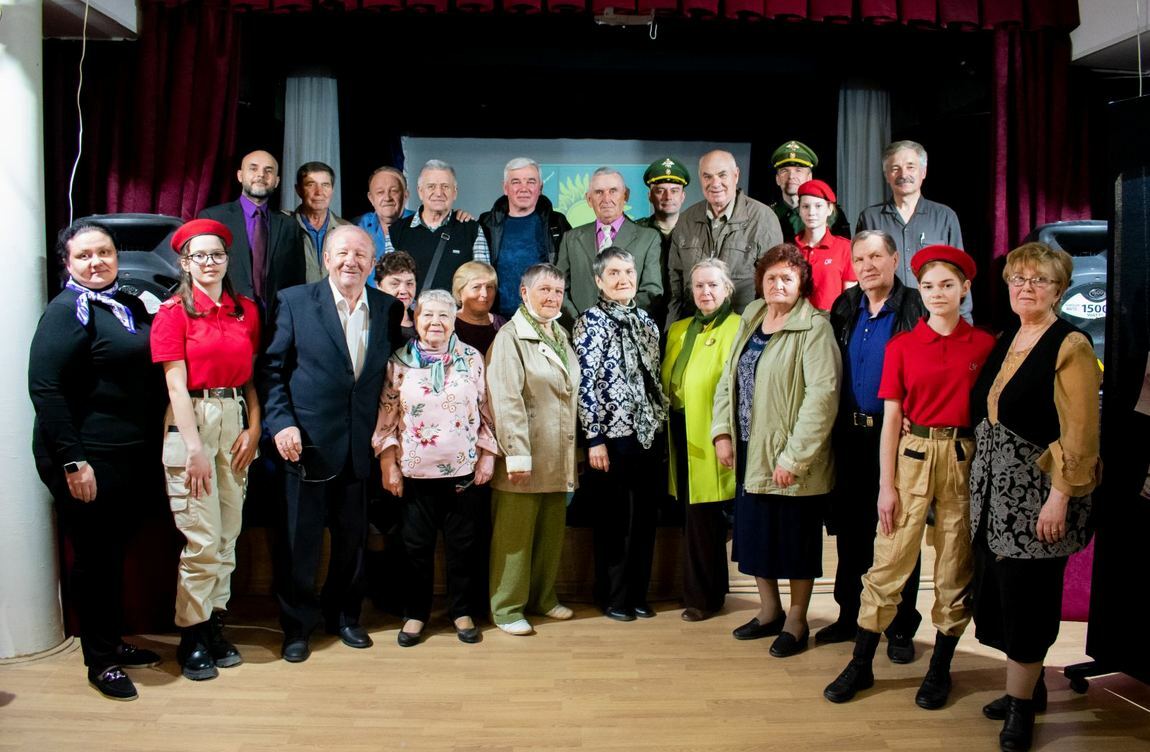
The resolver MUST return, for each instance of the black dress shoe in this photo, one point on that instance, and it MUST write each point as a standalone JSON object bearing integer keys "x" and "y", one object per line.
{"x": 786, "y": 644}
{"x": 408, "y": 639}
{"x": 223, "y": 652}
{"x": 694, "y": 614}
{"x": 130, "y": 656}
{"x": 644, "y": 611}
{"x": 296, "y": 650}
{"x": 470, "y": 635}
{"x": 995, "y": 710}
{"x": 354, "y": 636}
{"x": 900, "y": 648}
{"x": 113, "y": 683}
{"x": 619, "y": 614}
{"x": 753, "y": 630}
{"x": 840, "y": 631}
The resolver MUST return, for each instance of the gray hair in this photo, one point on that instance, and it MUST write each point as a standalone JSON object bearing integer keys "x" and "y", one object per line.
{"x": 898, "y": 146}
{"x": 392, "y": 170}
{"x": 518, "y": 164}
{"x": 537, "y": 271}
{"x": 436, "y": 164}
{"x": 436, "y": 296}
{"x": 717, "y": 265}
{"x": 609, "y": 254}
{"x": 887, "y": 240}
{"x": 607, "y": 171}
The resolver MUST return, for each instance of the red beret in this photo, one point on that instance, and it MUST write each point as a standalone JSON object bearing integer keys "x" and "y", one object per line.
{"x": 201, "y": 227}
{"x": 818, "y": 189}
{"x": 953, "y": 256}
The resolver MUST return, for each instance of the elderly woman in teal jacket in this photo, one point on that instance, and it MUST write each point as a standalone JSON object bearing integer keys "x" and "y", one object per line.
{"x": 777, "y": 399}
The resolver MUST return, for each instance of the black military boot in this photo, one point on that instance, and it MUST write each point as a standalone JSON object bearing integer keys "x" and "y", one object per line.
{"x": 858, "y": 674}
{"x": 1018, "y": 728}
{"x": 223, "y": 652}
{"x": 195, "y": 659}
{"x": 936, "y": 684}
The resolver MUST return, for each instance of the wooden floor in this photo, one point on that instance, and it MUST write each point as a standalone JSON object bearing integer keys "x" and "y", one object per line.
{"x": 590, "y": 684}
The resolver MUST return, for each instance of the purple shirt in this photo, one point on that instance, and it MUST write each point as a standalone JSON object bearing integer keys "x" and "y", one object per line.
{"x": 614, "y": 230}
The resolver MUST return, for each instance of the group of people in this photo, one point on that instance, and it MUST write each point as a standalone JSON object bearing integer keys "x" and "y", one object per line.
{"x": 502, "y": 364}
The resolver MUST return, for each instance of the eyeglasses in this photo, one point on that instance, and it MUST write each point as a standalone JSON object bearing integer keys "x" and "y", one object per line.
{"x": 1038, "y": 283}
{"x": 217, "y": 257}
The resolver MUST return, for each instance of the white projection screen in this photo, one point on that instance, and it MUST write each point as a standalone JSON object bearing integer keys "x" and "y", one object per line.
{"x": 566, "y": 166}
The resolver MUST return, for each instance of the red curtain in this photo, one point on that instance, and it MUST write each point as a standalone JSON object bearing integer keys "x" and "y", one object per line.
{"x": 1040, "y": 169}
{"x": 179, "y": 128}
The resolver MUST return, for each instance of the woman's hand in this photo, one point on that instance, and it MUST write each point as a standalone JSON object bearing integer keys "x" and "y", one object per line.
{"x": 889, "y": 508}
{"x": 597, "y": 455}
{"x": 82, "y": 484}
{"x": 1051, "y": 526}
{"x": 519, "y": 478}
{"x": 725, "y": 451}
{"x": 783, "y": 477}
{"x": 485, "y": 468}
{"x": 199, "y": 481}
{"x": 392, "y": 477}
{"x": 244, "y": 449}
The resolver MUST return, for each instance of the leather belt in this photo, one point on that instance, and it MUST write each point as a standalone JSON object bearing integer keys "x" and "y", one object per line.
{"x": 941, "y": 432}
{"x": 863, "y": 420}
{"x": 224, "y": 392}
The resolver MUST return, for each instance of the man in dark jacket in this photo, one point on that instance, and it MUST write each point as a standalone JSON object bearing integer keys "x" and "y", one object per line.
{"x": 521, "y": 229}
{"x": 864, "y": 318}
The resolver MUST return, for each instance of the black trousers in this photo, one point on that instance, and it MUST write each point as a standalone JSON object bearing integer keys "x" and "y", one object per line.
{"x": 706, "y": 579}
{"x": 127, "y": 485}
{"x": 340, "y": 504}
{"x": 431, "y": 505}
{"x": 624, "y": 516}
{"x": 853, "y": 520}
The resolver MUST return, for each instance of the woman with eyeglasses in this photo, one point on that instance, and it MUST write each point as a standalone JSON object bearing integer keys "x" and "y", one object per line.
{"x": 1035, "y": 465}
{"x": 207, "y": 337}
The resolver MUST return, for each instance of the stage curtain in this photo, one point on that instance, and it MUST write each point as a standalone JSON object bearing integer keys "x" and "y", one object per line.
{"x": 311, "y": 134}
{"x": 863, "y": 132}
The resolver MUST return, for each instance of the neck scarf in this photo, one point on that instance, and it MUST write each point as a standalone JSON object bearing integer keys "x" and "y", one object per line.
{"x": 554, "y": 342}
{"x": 698, "y": 323}
{"x": 640, "y": 367}
{"x": 86, "y": 297}
{"x": 415, "y": 355}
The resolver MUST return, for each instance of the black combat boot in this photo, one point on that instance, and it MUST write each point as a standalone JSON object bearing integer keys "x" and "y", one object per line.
{"x": 858, "y": 674}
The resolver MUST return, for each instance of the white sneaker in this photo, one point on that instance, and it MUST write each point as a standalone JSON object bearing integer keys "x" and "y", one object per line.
{"x": 560, "y": 612}
{"x": 520, "y": 627}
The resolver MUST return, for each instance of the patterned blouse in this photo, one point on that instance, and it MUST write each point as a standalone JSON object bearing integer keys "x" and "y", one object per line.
{"x": 748, "y": 362}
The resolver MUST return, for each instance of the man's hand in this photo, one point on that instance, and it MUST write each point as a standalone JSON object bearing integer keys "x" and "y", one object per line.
{"x": 289, "y": 443}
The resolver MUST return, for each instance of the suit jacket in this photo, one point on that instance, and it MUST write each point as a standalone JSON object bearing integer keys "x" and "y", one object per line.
{"x": 307, "y": 376}
{"x": 577, "y": 252}
{"x": 284, "y": 265}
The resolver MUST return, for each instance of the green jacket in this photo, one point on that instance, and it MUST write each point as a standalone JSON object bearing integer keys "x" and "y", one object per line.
{"x": 795, "y": 402}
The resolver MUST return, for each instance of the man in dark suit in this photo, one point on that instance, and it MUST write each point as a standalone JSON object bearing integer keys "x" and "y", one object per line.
{"x": 322, "y": 378}
{"x": 607, "y": 195}
{"x": 267, "y": 249}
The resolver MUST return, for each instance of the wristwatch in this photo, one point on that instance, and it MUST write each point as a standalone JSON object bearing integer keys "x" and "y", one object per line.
{"x": 74, "y": 467}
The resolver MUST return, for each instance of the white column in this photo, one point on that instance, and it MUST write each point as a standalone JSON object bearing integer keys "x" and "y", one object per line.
{"x": 30, "y": 619}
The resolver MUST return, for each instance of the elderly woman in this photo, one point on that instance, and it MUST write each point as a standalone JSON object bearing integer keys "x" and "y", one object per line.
{"x": 98, "y": 401}
{"x": 435, "y": 443}
{"x": 474, "y": 286}
{"x": 697, "y": 349}
{"x": 829, "y": 255}
{"x": 1035, "y": 465}
{"x": 778, "y": 398}
{"x": 207, "y": 338}
{"x": 533, "y": 382}
{"x": 621, "y": 407}
{"x": 395, "y": 275}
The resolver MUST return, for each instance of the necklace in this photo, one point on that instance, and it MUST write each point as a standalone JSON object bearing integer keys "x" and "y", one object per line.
{"x": 1022, "y": 344}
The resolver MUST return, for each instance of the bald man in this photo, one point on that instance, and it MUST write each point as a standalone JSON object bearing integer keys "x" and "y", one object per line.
{"x": 267, "y": 253}
{"x": 728, "y": 225}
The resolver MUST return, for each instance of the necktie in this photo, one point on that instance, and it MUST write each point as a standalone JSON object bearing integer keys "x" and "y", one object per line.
{"x": 259, "y": 243}
{"x": 607, "y": 238}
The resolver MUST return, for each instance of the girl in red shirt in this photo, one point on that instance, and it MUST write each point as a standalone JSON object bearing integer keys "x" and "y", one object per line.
{"x": 207, "y": 337}
{"x": 829, "y": 255}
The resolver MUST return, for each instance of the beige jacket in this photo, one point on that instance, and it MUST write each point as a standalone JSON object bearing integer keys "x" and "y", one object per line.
{"x": 795, "y": 402}
{"x": 534, "y": 402}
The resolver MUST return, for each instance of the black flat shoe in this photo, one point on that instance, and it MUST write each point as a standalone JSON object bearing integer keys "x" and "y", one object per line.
{"x": 753, "y": 630}
{"x": 355, "y": 636}
{"x": 694, "y": 614}
{"x": 409, "y": 639}
{"x": 470, "y": 635}
{"x": 900, "y": 648}
{"x": 619, "y": 614}
{"x": 995, "y": 710}
{"x": 296, "y": 650}
{"x": 644, "y": 611}
{"x": 786, "y": 644}
{"x": 840, "y": 631}
{"x": 113, "y": 683}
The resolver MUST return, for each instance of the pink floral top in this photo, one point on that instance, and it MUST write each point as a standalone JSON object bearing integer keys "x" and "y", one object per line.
{"x": 439, "y": 433}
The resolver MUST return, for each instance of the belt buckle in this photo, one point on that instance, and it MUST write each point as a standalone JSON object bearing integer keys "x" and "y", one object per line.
{"x": 863, "y": 420}
{"x": 946, "y": 432}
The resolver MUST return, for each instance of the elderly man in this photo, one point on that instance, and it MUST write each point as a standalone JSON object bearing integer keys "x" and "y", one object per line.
{"x": 607, "y": 194}
{"x": 864, "y": 318}
{"x": 321, "y": 383}
{"x": 912, "y": 220}
{"x": 728, "y": 225}
{"x": 795, "y": 164}
{"x": 387, "y": 192}
{"x": 314, "y": 184}
{"x": 438, "y": 241}
{"x": 267, "y": 248}
{"x": 522, "y": 229}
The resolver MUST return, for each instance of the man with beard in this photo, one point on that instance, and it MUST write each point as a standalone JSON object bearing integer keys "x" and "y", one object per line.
{"x": 267, "y": 248}
{"x": 795, "y": 164}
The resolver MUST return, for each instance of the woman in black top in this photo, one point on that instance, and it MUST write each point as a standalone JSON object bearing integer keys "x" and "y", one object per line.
{"x": 99, "y": 402}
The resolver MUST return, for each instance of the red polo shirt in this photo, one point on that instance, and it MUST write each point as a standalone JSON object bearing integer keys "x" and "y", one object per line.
{"x": 217, "y": 347}
{"x": 831, "y": 269}
{"x": 933, "y": 374}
